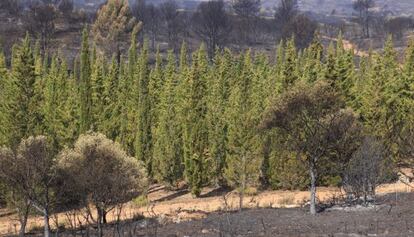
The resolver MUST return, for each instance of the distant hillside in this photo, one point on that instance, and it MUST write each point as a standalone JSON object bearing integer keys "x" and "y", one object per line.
{"x": 340, "y": 7}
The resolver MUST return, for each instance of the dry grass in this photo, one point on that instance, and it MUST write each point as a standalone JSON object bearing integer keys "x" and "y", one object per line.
{"x": 188, "y": 207}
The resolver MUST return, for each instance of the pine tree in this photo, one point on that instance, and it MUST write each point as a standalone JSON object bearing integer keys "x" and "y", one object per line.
{"x": 85, "y": 87}
{"x": 143, "y": 146}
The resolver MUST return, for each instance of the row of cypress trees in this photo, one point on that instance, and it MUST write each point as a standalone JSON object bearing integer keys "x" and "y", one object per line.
{"x": 196, "y": 119}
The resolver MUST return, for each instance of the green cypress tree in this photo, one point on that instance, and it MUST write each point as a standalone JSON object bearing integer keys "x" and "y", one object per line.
{"x": 155, "y": 89}
{"x": 313, "y": 69}
{"x": 330, "y": 63}
{"x": 168, "y": 149}
{"x": 143, "y": 145}
{"x": 5, "y": 120}
{"x": 243, "y": 163}
{"x": 344, "y": 71}
{"x": 219, "y": 92}
{"x": 24, "y": 107}
{"x": 110, "y": 96}
{"x": 197, "y": 125}
{"x": 397, "y": 100}
{"x": 57, "y": 115}
{"x": 98, "y": 89}
{"x": 289, "y": 74}
{"x": 85, "y": 87}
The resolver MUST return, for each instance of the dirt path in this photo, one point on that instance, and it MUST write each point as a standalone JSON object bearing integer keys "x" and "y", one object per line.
{"x": 180, "y": 206}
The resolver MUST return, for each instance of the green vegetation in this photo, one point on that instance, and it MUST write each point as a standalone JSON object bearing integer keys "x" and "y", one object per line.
{"x": 239, "y": 120}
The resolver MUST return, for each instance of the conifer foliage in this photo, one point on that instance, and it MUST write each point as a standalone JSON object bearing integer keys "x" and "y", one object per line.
{"x": 189, "y": 119}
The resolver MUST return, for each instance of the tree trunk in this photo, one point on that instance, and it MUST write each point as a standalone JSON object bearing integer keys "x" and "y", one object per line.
{"x": 243, "y": 184}
{"x": 99, "y": 220}
{"x": 104, "y": 217}
{"x": 23, "y": 219}
{"x": 46, "y": 220}
{"x": 312, "y": 172}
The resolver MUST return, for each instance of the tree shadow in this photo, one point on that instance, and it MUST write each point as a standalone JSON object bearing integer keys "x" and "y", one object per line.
{"x": 172, "y": 196}
{"x": 216, "y": 192}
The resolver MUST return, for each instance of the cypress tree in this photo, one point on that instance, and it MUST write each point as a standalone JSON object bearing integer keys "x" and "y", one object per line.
{"x": 219, "y": 93}
{"x": 85, "y": 87}
{"x": 289, "y": 73}
{"x": 330, "y": 62}
{"x": 56, "y": 111}
{"x": 24, "y": 107}
{"x": 155, "y": 89}
{"x": 5, "y": 125}
{"x": 197, "y": 125}
{"x": 397, "y": 102}
{"x": 242, "y": 164}
{"x": 143, "y": 146}
{"x": 98, "y": 89}
{"x": 168, "y": 149}
{"x": 110, "y": 96}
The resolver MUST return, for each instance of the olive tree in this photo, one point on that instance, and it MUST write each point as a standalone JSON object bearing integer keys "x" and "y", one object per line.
{"x": 29, "y": 175}
{"x": 311, "y": 122}
{"x": 100, "y": 170}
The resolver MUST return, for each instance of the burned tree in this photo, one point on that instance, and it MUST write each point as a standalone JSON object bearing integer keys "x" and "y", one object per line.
{"x": 366, "y": 170}
{"x": 211, "y": 24}
{"x": 40, "y": 21}
{"x": 363, "y": 8}
{"x": 285, "y": 11}
{"x": 248, "y": 12}
{"x": 172, "y": 22}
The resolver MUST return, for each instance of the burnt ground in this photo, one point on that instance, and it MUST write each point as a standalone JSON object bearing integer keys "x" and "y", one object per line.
{"x": 389, "y": 218}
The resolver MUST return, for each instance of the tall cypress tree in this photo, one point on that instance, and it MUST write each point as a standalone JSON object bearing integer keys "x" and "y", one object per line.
{"x": 168, "y": 149}
{"x": 397, "y": 101}
{"x": 197, "y": 125}
{"x": 155, "y": 89}
{"x": 219, "y": 92}
{"x": 85, "y": 85}
{"x": 242, "y": 166}
{"x": 57, "y": 113}
{"x": 110, "y": 97}
{"x": 5, "y": 125}
{"x": 24, "y": 107}
{"x": 143, "y": 141}
{"x": 289, "y": 74}
{"x": 98, "y": 89}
